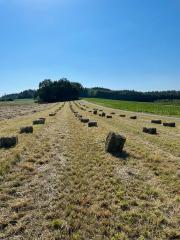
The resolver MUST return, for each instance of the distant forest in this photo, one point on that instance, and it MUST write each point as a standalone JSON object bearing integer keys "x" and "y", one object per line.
{"x": 22, "y": 95}
{"x": 130, "y": 95}
{"x": 64, "y": 90}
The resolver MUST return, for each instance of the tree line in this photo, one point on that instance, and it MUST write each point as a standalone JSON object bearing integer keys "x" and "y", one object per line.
{"x": 27, "y": 94}
{"x": 130, "y": 95}
{"x": 64, "y": 90}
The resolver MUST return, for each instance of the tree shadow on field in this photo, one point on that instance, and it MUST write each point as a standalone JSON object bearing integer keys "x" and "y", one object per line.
{"x": 122, "y": 155}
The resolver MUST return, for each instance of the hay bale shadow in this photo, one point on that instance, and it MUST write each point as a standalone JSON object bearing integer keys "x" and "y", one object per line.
{"x": 121, "y": 155}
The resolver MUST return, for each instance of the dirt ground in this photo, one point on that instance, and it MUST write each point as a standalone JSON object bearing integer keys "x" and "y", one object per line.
{"x": 59, "y": 183}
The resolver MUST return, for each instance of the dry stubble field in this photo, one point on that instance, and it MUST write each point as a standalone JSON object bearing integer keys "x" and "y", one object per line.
{"x": 14, "y": 109}
{"x": 58, "y": 183}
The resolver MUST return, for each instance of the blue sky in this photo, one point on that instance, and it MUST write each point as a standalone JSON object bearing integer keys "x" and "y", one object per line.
{"x": 119, "y": 44}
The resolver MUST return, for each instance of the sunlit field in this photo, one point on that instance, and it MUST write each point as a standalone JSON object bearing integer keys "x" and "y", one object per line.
{"x": 59, "y": 183}
{"x": 17, "y": 102}
{"x": 161, "y": 108}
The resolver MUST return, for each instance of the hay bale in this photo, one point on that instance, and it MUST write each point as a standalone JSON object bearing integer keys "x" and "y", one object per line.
{"x": 133, "y": 117}
{"x": 39, "y": 121}
{"x": 7, "y": 142}
{"x": 92, "y": 124}
{"x": 27, "y": 129}
{"x": 122, "y": 115}
{"x": 52, "y": 114}
{"x": 102, "y": 114}
{"x": 114, "y": 143}
{"x": 149, "y": 130}
{"x": 169, "y": 124}
{"x": 156, "y": 121}
{"x": 84, "y": 120}
{"x": 108, "y": 116}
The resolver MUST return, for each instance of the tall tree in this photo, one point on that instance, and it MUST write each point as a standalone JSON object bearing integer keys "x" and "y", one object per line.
{"x": 61, "y": 90}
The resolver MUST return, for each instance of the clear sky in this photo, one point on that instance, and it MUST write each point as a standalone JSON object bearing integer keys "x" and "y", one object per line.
{"x": 119, "y": 44}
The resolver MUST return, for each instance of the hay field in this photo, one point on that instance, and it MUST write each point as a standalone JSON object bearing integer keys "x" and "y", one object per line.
{"x": 59, "y": 183}
{"x": 22, "y": 107}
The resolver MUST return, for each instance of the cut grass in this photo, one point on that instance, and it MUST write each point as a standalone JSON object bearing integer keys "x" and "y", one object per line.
{"x": 77, "y": 191}
{"x": 19, "y": 108}
{"x": 168, "y": 109}
{"x": 9, "y": 157}
{"x": 18, "y": 102}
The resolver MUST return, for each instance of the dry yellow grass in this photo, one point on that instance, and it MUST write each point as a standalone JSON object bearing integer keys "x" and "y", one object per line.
{"x": 63, "y": 185}
{"x": 11, "y": 110}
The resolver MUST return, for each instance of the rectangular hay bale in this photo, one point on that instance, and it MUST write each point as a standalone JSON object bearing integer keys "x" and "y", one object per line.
{"x": 92, "y": 124}
{"x": 7, "y": 142}
{"x": 169, "y": 124}
{"x": 156, "y": 121}
{"x": 27, "y": 129}
{"x": 39, "y": 121}
{"x": 149, "y": 130}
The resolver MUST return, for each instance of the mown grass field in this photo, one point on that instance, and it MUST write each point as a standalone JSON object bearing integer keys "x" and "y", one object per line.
{"x": 21, "y": 107}
{"x": 59, "y": 183}
{"x": 18, "y": 102}
{"x": 161, "y": 108}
